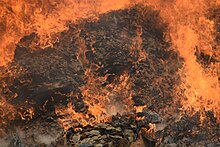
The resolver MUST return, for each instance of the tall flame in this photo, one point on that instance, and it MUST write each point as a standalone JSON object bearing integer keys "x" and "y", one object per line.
{"x": 190, "y": 29}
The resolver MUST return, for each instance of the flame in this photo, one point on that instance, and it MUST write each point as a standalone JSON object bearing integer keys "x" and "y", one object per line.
{"x": 103, "y": 102}
{"x": 27, "y": 115}
{"x": 140, "y": 108}
{"x": 70, "y": 117}
{"x": 7, "y": 111}
{"x": 189, "y": 30}
{"x": 115, "y": 95}
{"x": 137, "y": 45}
{"x": 45, "y": 17}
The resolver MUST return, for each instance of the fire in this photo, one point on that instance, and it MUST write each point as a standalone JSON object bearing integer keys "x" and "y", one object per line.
{"x": 102, "y": 102}
{"x": 191, "y": 29}
{"x": 27, "y": 115}
{"x": 71, "y": 118}
{"x": 46, "y": 18}
{"x": 7, "y": 110}
{"x": 190, "y": 32}
{"x": 19, "y": 18}
{"x": 139, "y": 108}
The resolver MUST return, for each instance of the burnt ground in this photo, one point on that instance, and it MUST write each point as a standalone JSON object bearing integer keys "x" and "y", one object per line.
{"x": 125, "y": 41}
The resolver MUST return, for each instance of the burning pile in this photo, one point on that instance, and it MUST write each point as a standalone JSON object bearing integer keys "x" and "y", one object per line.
{"x": 111, "y": 79}
{"x": 122, "y": 130}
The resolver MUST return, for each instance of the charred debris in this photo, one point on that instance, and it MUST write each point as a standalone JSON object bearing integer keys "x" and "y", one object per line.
{"x": 125, "y": 41}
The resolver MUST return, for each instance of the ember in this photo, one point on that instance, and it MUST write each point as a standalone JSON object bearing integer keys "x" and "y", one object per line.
{"x": 108, "y": 73}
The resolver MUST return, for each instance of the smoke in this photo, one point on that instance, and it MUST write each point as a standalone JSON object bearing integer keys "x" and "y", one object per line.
{"x": 4, "y": 143}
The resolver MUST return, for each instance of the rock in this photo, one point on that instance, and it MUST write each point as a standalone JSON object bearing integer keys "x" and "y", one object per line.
{"x": 85, "y": 141}
{"x": 98, "y": 145}
{"x": 115, "y": 136}
{"x": 96, "y": 138}
{"x": 110, "y": 128}
{"x": 93, "y": 133}
{"x": 75, "y": 138}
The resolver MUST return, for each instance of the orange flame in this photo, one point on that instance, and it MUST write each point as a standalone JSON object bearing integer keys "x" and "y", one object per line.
{"x": 189, "y": 29}
{"x": 45, "y": 17}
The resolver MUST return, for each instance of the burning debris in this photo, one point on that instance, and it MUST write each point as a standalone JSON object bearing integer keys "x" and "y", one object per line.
{"x": 122, "y": 130}
{"x": 110, "y": 81}
{"x": 86, "y": 68}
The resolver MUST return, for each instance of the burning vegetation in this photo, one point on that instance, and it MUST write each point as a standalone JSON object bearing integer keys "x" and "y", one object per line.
{"x": 109, "y": 73}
